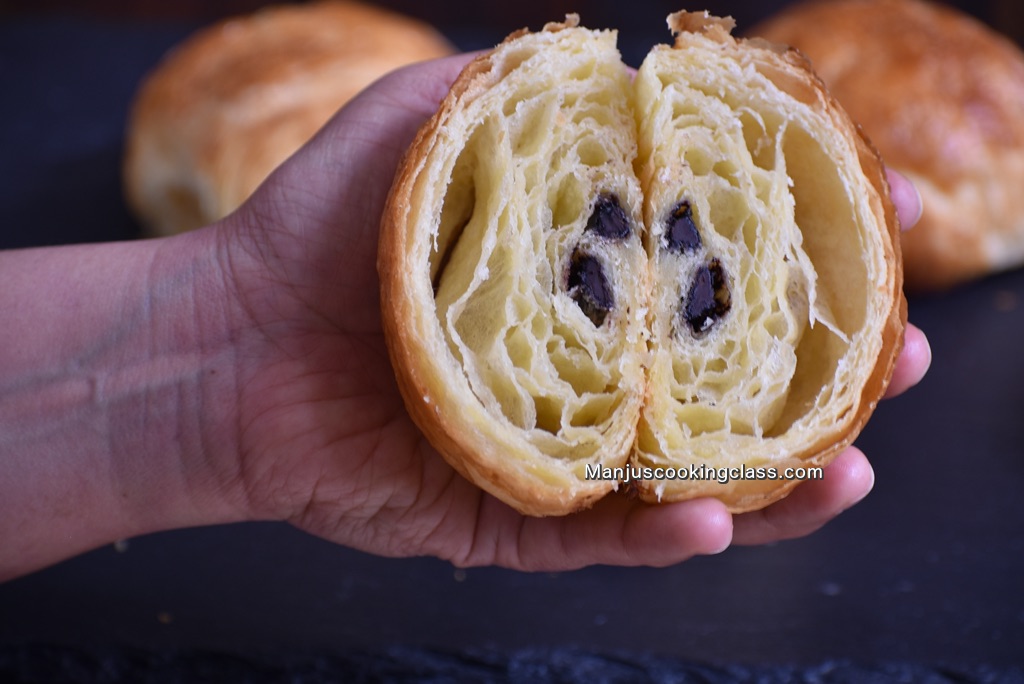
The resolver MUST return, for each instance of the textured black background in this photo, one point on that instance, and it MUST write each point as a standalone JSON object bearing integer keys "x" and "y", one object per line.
{"x": 923, "y": 581}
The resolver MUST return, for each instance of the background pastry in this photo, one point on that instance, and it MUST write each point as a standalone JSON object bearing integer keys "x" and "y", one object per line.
{"x": 234, "y": 100}
{"x": 941, "y": 95}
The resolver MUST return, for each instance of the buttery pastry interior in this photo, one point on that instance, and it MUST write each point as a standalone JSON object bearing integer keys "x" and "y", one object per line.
{"x": 583, "y": 271}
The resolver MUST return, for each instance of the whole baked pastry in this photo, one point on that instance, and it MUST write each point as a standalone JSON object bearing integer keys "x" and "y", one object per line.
{"x": 234, "y": 100}
{"x": 942, "y": 97}
{"x": 687, "y": 282}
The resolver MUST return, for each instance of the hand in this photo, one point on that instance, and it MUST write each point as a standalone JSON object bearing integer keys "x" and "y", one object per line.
{"x": 239, "y": 372}
{"x": 323, "y": 439}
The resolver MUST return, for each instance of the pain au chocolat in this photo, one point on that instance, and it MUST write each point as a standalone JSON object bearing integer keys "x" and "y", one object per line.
{"x": 590, "y": 277}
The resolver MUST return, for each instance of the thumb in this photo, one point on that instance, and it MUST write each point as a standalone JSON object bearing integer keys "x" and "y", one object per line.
{"x": 314, "y": 222}
{"x": 350, "y": 163}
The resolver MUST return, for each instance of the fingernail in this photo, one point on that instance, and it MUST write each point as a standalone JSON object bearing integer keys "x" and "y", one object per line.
{"x": 867, "y": 490}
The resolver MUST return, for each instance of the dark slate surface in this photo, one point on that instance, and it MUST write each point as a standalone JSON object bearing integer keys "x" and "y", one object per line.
{"x": 923, "y": 581}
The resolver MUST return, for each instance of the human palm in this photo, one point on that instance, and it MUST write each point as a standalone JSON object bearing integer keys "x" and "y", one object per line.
{"x": 323, "y": 437}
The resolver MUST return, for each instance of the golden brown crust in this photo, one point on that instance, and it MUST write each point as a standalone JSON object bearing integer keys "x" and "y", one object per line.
{"x": 940, "y": 95}
{"x": 234, "y": 100}
{"x": 455, "y": 422}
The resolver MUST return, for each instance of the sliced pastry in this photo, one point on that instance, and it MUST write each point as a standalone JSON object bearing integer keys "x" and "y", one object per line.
{"x": 685, "y": 282}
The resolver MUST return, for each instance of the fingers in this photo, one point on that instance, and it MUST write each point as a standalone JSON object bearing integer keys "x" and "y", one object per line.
{"x": 916, "y": 356}
{"x": 614, "y": 532}
{"x": 401, "y": 101}
{"x": 630, "y": 533}
{"x": 913, "y": 363}
{"x": 906, "y": 198}
{"x": 848, "y": 479}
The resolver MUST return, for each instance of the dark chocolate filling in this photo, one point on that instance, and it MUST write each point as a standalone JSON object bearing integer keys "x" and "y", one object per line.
{"x": 589, "y": 288}
{"x": 708, "y": 299}
{"x": 609, "y": 219}
{"x": 681, "y": 234}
